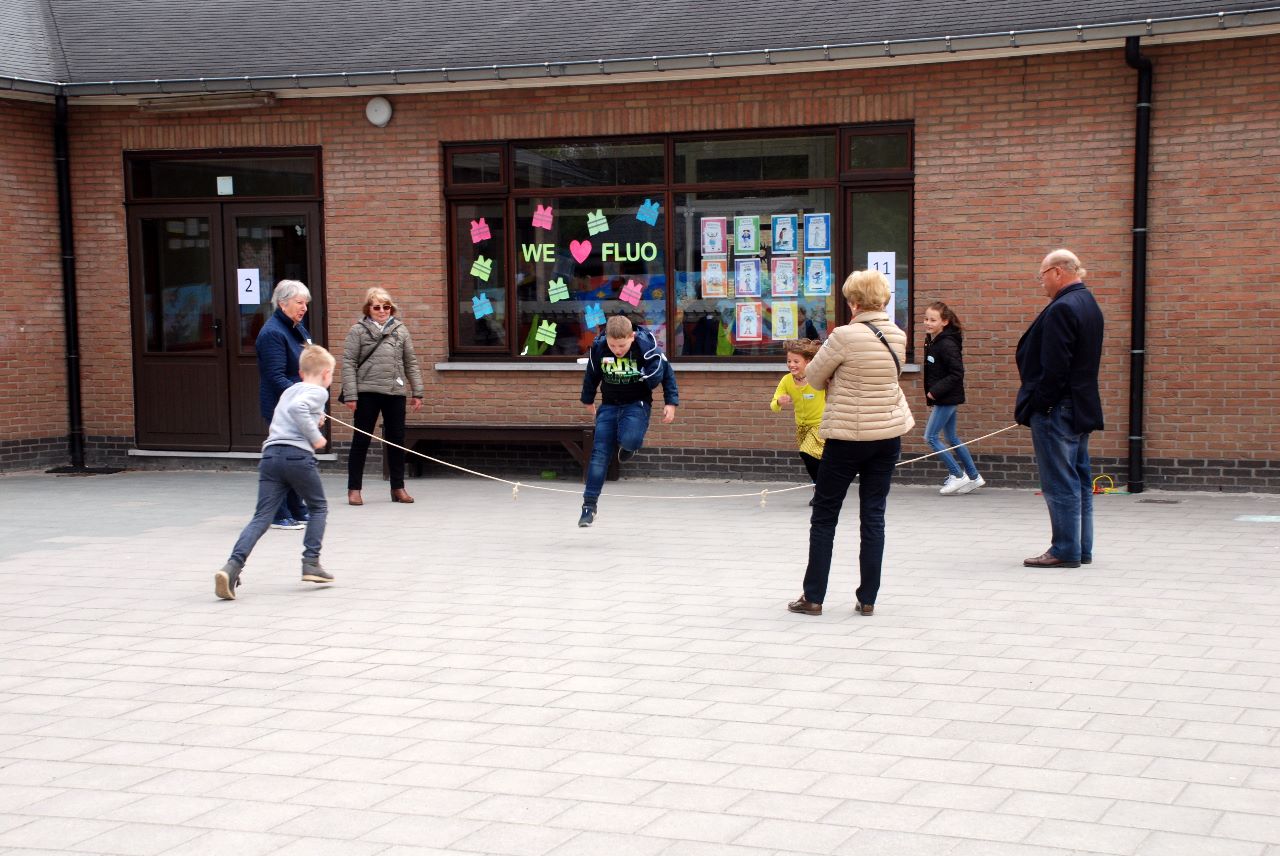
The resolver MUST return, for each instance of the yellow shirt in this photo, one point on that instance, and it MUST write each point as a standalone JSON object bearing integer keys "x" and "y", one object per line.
{"x": 807, "y": 402}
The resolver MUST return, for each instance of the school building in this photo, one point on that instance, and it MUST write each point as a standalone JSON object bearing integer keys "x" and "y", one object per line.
{"x": 515, "y": 174}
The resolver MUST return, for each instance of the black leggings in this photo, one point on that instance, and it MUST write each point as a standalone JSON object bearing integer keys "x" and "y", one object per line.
{"x": 368, "y": 406}
{"x": 811, "y": 464}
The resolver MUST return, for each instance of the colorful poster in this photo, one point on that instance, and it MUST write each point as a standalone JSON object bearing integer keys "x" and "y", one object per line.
{"x": 713, "y": 236}
{"x": 784, "y": 320}
{"x": 747, "y": 326}
{"x": 746, "y": 277}
{"x": 817, "y": 233}
{"x": 746, "y": 235}
{"x": 784, "y": 233}
{"x": 817, "y": 276}
{"x": 784, "y": 280}
{"x": 715, "y": 278}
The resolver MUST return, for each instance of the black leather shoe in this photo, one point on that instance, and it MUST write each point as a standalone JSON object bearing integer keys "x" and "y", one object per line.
{"x": 805, "y": 607}
{"x": 1048, "y": 560}
{"x": 1086, "y": 560}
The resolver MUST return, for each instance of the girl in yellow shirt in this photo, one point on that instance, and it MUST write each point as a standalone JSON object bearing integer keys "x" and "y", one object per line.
{"x": 808, "y": 403}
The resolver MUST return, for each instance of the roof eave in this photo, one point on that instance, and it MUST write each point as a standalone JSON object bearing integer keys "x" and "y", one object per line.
{"x": 871, "y": 54}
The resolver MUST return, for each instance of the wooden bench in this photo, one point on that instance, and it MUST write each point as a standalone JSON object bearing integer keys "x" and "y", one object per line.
{"x": 576, "y": 439}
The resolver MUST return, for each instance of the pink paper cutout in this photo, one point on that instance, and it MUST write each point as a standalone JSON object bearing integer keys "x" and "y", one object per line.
{"x": 631, "y": 293}
{"x": 580, "y": 250}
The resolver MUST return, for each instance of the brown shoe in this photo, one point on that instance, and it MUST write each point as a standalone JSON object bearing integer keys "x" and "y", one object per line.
{"x": 1048, "y": 560}
{"x": 864, "y": 608}
{"x": 399, "y": 494}
{"x": 353, "y": 498}
{"x": 805, "y": 607}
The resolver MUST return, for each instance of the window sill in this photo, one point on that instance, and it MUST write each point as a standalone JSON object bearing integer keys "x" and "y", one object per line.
{"x": 248, "y": 456}
{"x": 576, "y": 366}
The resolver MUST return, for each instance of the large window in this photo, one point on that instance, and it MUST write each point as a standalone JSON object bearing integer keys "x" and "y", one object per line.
{"x": 723, "y": 246}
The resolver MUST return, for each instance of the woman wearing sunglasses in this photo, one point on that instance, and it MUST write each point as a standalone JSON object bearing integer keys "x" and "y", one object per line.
{"x": 379, "y": 371}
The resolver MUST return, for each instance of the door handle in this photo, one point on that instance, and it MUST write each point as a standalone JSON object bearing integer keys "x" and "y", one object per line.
{"x": 217, "y": 332}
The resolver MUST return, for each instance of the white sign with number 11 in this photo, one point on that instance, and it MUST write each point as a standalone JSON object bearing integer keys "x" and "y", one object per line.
{"x": 886, "y": 263}
{"x": 247, "y": 286}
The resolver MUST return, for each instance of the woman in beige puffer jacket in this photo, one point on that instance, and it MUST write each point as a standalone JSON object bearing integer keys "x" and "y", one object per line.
{"x": 379, "y": 371}
{"x": 863, "y": 423}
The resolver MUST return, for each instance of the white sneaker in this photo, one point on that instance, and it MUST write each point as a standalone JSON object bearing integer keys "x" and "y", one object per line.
{"x": 971, "y": 485}
{"x": 954, "y": 484}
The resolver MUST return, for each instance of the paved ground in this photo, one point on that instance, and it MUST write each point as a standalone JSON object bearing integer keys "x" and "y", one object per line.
{"x": 487, "y": 678}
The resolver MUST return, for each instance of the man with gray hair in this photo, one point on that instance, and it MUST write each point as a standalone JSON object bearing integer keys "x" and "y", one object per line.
{"x": 1058, "y": 361}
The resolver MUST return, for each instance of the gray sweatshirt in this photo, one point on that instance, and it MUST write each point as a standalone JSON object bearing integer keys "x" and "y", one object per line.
{"x": 296, "y": 421}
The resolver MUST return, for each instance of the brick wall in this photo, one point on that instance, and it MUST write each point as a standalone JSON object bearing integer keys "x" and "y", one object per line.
{"x": 1013, "y": 157}
{"x": 33, "y": 379}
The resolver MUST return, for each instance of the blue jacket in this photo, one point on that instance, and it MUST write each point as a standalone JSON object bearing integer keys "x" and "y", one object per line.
{"x": 643, "y": 369}
{"x": 279, "y": 344}
{"x": 1059, "y": 357}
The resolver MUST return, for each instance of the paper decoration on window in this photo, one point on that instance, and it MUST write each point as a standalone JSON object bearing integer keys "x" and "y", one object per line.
{"x": 481, "y": 306}
{"x": 713, "y": 235}
{"x": 542, "y": 217}
{"x": 817, "y": 233}
{"x": 784, "y": 320}
{"x": 546, "y": 332}
{"x": 746, "y": 277}
{"x": 596, "y": 223}
{"x": 747, "y": 321}
{"x": 746, "y": 235}
{"x": 887, "y": 264}
{"x": 557, "y": 290}
{"x": 784, "y": 280}
{"x": 482, "y": 267}
{"x": 247, "y": 286}
{"x": 817, "y": 276}
{"x": 580, "y": 250}
{"x": 595, "y": 315}
{"x": 715, "y": 278}
{"x": 784, "y": 233}
{"x": 648, "y": 212}
{"x": 479, "y": 231}
{"x": 631, "y": 293}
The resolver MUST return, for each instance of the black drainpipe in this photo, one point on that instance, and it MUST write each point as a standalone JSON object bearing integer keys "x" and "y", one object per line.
{"x": 62, "y": 166}
{"x": 1138, "y": 312}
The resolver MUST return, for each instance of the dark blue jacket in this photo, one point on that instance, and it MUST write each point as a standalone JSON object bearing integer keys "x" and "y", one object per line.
{"x": 279, "y": 344}
{"x": 646, "y": 369}
{"x": 1058, "y": 360}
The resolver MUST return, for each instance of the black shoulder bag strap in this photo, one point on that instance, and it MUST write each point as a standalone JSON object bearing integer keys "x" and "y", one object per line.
{"x": 874, "y": 329}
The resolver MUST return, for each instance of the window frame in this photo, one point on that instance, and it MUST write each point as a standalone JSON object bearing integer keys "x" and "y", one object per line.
{"x": 842, "y": 180}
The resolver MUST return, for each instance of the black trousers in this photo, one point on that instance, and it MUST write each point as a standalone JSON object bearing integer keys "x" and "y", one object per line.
{"x": 811, "y": 465}
{"x": 872, "y": 463}
{"x": 368, "y": 406}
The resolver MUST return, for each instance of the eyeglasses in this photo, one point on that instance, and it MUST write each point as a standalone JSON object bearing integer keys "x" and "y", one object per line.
{"x": 378, "y": 307}
{"x": 1040, "y": 276}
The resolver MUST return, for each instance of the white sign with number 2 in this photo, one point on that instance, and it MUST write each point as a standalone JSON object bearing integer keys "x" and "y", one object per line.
{"x": 247, "y": 286}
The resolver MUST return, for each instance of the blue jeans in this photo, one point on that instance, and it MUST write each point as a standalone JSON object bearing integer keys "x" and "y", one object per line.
{"x": 942, "y": 421}
{"x": 616, "y": 425}
{"x": 1066, "y": 481}
{"x": 872, "y": 461}
{"x": 284, "y": 468}
{"x": 291, "y": 506}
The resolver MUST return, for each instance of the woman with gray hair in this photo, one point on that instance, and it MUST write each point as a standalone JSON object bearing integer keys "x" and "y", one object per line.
{"x": 279, "y": 344}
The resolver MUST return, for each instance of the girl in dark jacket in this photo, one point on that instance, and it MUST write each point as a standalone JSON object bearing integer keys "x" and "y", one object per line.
{"x": 944, "y": 392}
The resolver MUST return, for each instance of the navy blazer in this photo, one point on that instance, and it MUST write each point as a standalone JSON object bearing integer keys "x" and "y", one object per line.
{"x": 279, "y": 344}
{"x": 1058, "y": 359}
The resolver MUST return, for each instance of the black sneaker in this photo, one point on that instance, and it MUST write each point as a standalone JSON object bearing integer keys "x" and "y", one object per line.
{"x": 313, "y": 573}
{"x": 588, "y": 516}
{"x": 625, "y": 455}
{"x": 227, "y": 580}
